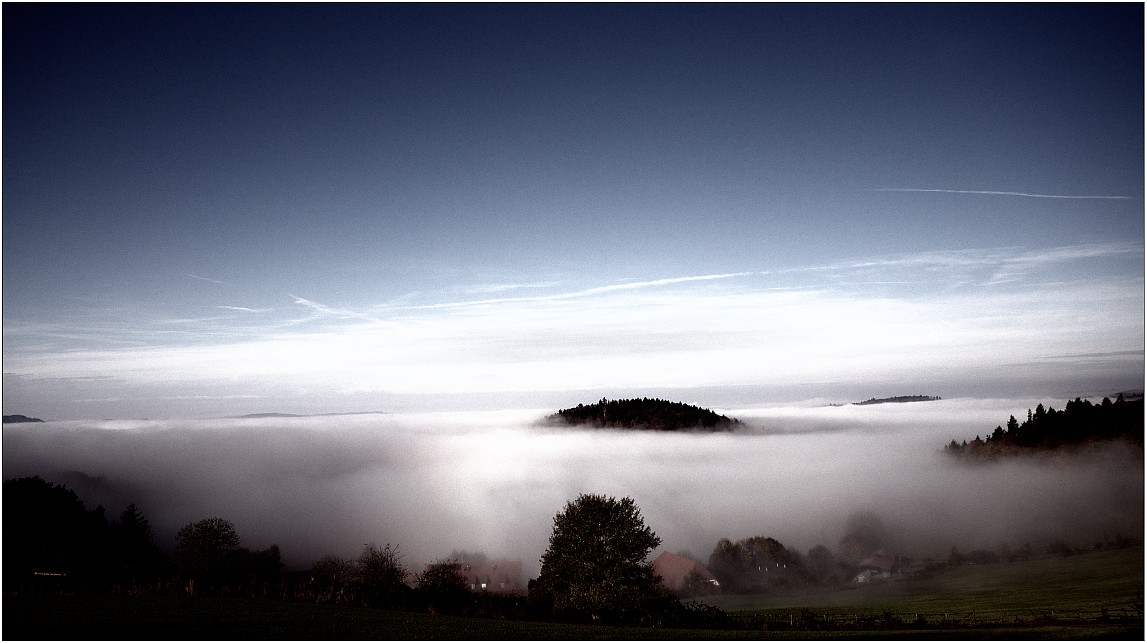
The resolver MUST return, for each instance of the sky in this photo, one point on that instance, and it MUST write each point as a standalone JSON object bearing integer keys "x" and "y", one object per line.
{"x": 212, "y": 210}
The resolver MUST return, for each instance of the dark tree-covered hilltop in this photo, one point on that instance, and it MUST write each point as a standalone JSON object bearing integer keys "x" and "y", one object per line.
{"x": 898, "y": 399}
{"x": 14, "y": 419}
{"x": 647, "y": 414}
{"x": 1080, "y": 423}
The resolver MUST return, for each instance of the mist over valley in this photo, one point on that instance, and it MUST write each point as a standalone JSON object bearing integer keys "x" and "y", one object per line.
{"x": 491, "y": 481}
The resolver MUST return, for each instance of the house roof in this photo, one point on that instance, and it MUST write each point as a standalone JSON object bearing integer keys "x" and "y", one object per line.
{"x": 675, "y": 569}
{"x": 881, "y": 559}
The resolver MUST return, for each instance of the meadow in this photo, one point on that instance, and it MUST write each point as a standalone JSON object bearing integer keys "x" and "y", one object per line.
{"x": 1095, "y": 586}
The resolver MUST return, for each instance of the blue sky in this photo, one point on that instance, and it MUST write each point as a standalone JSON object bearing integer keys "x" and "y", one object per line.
{"x": 216, "y": 209}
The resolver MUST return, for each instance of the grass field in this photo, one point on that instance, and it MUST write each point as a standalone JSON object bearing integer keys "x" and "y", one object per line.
{"x": 1076, "y": 585}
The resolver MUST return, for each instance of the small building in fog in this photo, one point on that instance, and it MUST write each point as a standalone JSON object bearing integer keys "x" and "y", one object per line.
{"x": 679, "y": 573}
{"x": 496, "y": 576}
{"x": 881, "y": 565}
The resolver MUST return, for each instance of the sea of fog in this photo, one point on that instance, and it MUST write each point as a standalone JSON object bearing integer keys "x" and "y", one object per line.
{"x": 492, "y": 481}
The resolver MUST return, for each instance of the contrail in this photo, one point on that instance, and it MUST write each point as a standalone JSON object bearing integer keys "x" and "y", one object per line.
{"x": 633, "y": 285}
{"x": 1000, "y": 193}
{"x": 214, "y": 281}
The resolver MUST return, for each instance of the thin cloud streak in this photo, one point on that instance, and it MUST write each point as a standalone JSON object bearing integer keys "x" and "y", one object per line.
{"x": 627, "y": 340}
{"x": 213, "y": 281}
{"x": 323, "y": 310}
{"x": 589, "y": 292}
{"x": 1002, "y": 193}
{"x": 489, "y": 288}
{"x": 758, "y": 330}
{"x": 245, "y": 309}
{"x": 1011, "y": 262}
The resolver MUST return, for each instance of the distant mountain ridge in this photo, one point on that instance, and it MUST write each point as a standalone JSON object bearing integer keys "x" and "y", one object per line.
{"x": 256, "y": 416}
{"x": 15, "y": 419}
{"x": 898, "y": 399}
{"x": 644, "y": 414}
{"x": 251, "y": 416}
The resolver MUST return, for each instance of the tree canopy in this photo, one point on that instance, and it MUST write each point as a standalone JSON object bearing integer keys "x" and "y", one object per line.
{"x": 205, "y": 547}
{"x": 1080, "y": 423}
{"x": 382, "y": 577}
{"x": 595, "y": 568}
{"x": 755, "y": 565}
{"x": 645, "y": 413}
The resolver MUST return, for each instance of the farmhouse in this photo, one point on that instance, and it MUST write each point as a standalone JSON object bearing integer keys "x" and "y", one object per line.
{"x": 495, "y": 576}
{"x": 678, "y": 573}
{"x": 882, "y": 564}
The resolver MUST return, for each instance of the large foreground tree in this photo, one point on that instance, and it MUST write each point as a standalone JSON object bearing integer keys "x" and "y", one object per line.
{"x": 595, "y": 567}
{"x": 204, "y": 549}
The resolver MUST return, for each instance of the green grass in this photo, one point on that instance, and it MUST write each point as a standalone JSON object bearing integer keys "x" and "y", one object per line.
{"x": 1086, "y": 583}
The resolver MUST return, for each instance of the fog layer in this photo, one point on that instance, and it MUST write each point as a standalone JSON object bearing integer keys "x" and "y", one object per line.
{"x": 492, "y": 481}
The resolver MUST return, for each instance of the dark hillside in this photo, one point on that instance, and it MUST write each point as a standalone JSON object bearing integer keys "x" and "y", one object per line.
{"x": 645, "y": 414}
{"x": 13, "y": 419}
{"x": 1080, "y": 424}
{"x": 898, "y": 399}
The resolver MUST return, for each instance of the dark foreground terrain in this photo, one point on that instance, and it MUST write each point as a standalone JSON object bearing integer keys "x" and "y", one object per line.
{"x": 107, "y": 617}
{"x": 1097, "y": 595}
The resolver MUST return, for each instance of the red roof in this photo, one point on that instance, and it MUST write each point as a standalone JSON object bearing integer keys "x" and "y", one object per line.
{"x": 674, "y": 570}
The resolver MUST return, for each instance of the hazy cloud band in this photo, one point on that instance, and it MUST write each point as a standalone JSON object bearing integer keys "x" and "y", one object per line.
{"x": 1003, "y": 193}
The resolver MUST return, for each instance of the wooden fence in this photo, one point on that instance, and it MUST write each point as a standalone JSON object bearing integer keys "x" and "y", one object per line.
{"x": 810, "y": 620}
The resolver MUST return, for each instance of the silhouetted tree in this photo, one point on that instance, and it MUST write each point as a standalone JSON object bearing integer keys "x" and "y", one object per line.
{"x": 755, "y": 565}
{"x": 1013, "y": 424}
{"x": 255, "y": 571}
{"x": 204, "y": 549}
{"x": 595, "y": 567}
{"x": 822, "y": 566}
{"x": 1079, "y": 424}
{"x": 47, "y": 530}
{"x": 331, "y": 580}
{"x": 135, "y": 553}
{"x": 443, "y": 587}
{"x": 382, "y": 577}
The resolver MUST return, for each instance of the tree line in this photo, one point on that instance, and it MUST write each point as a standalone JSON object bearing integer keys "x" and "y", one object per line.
{"x": 594, "y": 569}
{"x": 645, "y": 413}
{"x": 1079, "y": 424}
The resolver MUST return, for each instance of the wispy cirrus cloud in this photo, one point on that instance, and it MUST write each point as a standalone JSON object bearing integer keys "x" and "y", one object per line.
{"x": 590, "y": 292}
{"x": 493, "y": 288}
{"x": 982, "y": 266}
{"x": 845, "y": 321}
{"x": 1030, "y": 195}
{"x": 245, "y": 309}
{"x": 209, "y": 280}
{"x": 324, "y": 311}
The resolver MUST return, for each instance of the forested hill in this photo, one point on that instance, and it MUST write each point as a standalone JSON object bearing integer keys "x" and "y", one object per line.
{"x": 13, "y": 419}
{"x": 898, "y": 399}
{"x": 1080, "y": 423}
{"x": 646, "y": 414}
